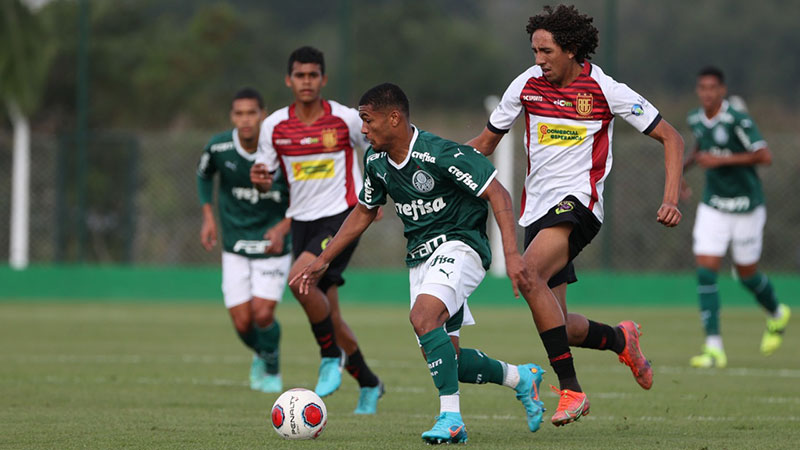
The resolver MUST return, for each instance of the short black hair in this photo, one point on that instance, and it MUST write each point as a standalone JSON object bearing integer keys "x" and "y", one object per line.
{"x": 251, "y": 93}
{"x": 712, "y": 71}
{"x": 306, "y": 54}
{"x": 386, "y": 95}
{"x": 571, "y": 30}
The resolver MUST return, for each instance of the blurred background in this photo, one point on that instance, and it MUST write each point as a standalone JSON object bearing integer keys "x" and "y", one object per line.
{"x": 120, "y": 97}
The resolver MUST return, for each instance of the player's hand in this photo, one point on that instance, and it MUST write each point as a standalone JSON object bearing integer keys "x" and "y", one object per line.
{"x": 309, "y": 276}
{"x": 517, "y": 273}
{"x": 208, "y": 234}
{"x": 260, "y": 177}
{"x": 275, "y": 236}
{"x": 708, "y": 161}
{"x": 669, "y": 215}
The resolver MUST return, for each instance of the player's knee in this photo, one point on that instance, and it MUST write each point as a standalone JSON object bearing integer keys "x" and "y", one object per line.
{"x": 242, "y": 323}
{"x": 421, "y": 323}
{"x": 264, "y": 317}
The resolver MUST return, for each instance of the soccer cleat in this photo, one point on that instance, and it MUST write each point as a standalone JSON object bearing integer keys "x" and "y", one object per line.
{"x": 711, "y": 357}
{"x": 632, "y": 355}
{"x": 448, "y": 429}
{"x": 258, "y": 370}
{"x": 330, "y": 375}
{"x": 773, "y": 335}
{"x": 368, "y": 399}
{"x": 571, "y": 406}
{"x": 530, "y": 375}
{"x": 271, "y": 383}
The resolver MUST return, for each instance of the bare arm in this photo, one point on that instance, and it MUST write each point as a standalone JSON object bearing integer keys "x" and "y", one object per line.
{"x": 276, "y": 235}
{"x": 761, "y": 156}
{"x": 498, "y": 197}
{"x": 356, "y": 223}
{"x": 485, "y": 142}
{"x": 668, "y": 213}
{"x": 208, "y": 231}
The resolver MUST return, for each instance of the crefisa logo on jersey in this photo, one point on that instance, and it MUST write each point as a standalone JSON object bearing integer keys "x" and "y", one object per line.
{"x": 584, "y": 103}
{"x": 329, "y": 137}
{"x": 422, "y": 181}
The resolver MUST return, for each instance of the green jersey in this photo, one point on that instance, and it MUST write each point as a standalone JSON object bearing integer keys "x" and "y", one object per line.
{"x": 436, "y": 192}
{"x": 245, "y": 214}
{"x": 729, "y": 188}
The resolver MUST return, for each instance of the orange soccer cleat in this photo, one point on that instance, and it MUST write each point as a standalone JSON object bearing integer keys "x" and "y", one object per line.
{"x": 632, "y": 355}
{"x": 571, "y": 406}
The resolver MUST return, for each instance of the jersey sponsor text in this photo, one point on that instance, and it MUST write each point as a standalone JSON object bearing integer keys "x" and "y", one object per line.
{"x": 419, "y": 207}
{"x": 313, "y": 170}
{"x": 562, "y": 135}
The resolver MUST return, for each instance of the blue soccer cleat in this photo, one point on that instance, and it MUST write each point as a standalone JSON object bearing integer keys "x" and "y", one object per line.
{"x": 330, "y": 376}
{"x": 271, "y": 383}
{"x": 530, "y": 375}
{"x": 448, "y": 429}
{"x": 258, "y": 370}
{"x": 368, "y": 399}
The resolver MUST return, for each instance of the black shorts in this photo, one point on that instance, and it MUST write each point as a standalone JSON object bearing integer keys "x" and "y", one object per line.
{"x": 313, "y": 236}
{"x": 584, "y": 228}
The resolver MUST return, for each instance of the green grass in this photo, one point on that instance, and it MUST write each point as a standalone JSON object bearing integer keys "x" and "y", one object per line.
{"x": 94, "y": 375}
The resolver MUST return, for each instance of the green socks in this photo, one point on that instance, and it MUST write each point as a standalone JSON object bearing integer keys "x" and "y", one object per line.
{"x": 267, "y": 345}
{"x": 477, "y": 368}
{"x": 441, "y": 357}
{"x": 760, "y": 286}
{"x": 709, "y": 300}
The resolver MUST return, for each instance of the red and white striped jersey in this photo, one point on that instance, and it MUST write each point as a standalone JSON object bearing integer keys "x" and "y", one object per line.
{"x": 319, "y": 160}
{"x": 568, "y": 134}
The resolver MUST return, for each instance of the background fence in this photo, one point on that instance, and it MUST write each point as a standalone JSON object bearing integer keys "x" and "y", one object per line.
{"x": 135, "y": 201}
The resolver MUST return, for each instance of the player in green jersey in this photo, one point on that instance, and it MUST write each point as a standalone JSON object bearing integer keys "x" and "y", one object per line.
{"x": 440, "y": 191}
{"x": 731, "y": 213}
{"x": 255, "y": 237}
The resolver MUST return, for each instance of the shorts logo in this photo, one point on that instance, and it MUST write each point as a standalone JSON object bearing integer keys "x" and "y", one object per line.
{"x": 584, "y": 104}
{"x": 325, "y": 242}
{"x": 422, "y": 181}
{"x": 565, "y": 206}
{"x": 329, "y": 137}
{"x": 442, "y": 260}
{"x": 313, "y": 170}
{"x": 561, "y": 135}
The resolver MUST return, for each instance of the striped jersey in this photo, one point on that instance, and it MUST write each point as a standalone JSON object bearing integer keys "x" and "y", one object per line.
{"x": 729, "y": 188}
{"x": 568, "y": 134}
{"x": 318, "y": 160}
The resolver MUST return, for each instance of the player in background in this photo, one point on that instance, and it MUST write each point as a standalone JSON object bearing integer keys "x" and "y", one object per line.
{"x": 569, "y": 106}
{"x": 440, "y": 190}
{"x": 255, "y": 241}
{"x": 731, "y": 213}
{"x": 313, "y": 142}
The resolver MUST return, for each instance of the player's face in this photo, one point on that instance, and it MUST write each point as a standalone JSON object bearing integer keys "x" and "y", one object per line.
{"x": 246, "y": 116}
{"x": 710, "y": 91}
{"x": 556, "y": 63}
{"x": 375, "y": 126}
{"x": 306, "y": 81}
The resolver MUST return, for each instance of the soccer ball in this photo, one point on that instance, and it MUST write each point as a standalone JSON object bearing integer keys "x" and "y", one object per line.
{"x": 299, "y": 414}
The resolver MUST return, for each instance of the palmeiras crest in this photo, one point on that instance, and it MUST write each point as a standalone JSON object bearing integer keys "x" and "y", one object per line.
{"x": 583, "y": 104}
{"x": 422, "y": 181}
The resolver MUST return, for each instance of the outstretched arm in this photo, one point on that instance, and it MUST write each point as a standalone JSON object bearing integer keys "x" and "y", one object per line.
{"x": 355, "y": 224}
{"x": 485, "y": 142}
{"x": 668, "y": 213}
{"x": 760, "y": 156}
{"x": 498, "y": 197}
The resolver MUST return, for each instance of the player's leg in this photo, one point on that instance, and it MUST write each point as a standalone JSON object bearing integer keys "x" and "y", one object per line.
{"x": 268, "y": 280}
{"x": 748, "y": 236}
{"x": 711, "y": 236}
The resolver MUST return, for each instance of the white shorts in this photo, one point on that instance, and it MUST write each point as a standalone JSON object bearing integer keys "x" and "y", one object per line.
{"x": 244, "y": 278}
{"x": 715, "y": 229}
{"x": 451, "y": 274}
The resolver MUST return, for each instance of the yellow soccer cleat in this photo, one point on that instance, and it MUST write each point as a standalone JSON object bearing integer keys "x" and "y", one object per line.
{"x": 711, "y": 357}
{"x": 773, "y": 336}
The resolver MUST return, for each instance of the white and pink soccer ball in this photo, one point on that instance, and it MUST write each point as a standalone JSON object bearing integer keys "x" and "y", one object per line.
{"x": 299, "y": 414}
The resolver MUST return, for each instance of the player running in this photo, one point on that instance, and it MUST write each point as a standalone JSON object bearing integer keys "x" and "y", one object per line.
{"x": 313, "y": 142}
{"x": 729, "y": 146}
{"x": 440, "y": 191}
{"x": 255, "y": 241}
{"x": 569, "y": 106}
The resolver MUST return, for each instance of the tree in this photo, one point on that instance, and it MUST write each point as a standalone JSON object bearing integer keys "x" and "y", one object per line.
{"x": 24, "y": 59}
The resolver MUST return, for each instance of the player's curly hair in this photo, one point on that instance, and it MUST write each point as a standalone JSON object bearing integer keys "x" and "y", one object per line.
{"x": 571, "y": 30}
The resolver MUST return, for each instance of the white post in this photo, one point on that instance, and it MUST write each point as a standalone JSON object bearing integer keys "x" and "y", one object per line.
{"x": 20, "y": 188}
{"x": 504, "y": 163}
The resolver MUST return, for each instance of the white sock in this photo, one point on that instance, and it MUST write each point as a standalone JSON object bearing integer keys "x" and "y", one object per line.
{"x": 510, "y": 375}
{"x": 714, "y": 341}
{"x": 449, "y": 403}
{"x": 778, "y": 312}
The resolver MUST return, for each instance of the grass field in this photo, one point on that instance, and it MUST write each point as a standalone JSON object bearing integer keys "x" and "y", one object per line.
{"x": 145, "y": 375}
